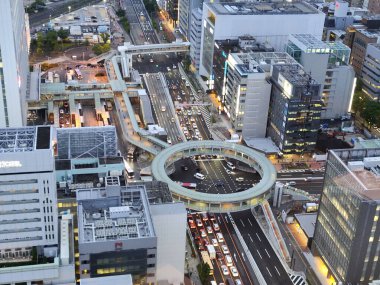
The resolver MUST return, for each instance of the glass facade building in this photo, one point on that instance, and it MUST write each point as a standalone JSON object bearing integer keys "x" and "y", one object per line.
{"x": 347, "y": 232}
{"x": 295, "y": 109}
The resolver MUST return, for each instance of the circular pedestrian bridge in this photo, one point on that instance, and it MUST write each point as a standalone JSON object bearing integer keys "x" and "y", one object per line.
{"x": 163, "y": 165}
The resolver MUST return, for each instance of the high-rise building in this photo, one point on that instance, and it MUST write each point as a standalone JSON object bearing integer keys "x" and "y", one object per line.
{"x": 28, "y": 191}
{"x": 222, "y": 48}
{"x": 295, "y": 109}
{"x": 246, "y": 97}
{"x": 262, "y": 20}
{"x": 357, "y": 38}
{"x": 14, "y": 66}
{"x": 195, "y": 37}
{"x": 347, "y": 230}
{"x": 185, "y": 8}
{"x": 327, "y": 63}
{"x": 370, "y": 72}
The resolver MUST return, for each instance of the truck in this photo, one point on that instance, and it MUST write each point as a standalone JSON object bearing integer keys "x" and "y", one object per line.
{"x": 310, "y": 207}
{"x": 211, "y": 251}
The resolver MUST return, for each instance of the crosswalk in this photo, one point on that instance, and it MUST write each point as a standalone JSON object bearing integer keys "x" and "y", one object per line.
{"x": 297, "y": 279}
{"x": 298, "y": 170}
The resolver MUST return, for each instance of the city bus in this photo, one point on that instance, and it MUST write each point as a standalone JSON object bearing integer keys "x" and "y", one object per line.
{"x": 78, "y": 73}
{"x": 206, "y": 259}
{"x": 189, "y": 185}
{"x": 128, "y": 170}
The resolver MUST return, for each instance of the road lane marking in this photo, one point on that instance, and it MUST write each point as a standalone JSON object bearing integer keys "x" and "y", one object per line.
{"x": 259, "y": 253}
{"x": 277, "y": 271}
{"x": 249, "y": 221}
{"x": 267, "y": 252}
{"x": 258, "y": 237}
{"x": 268, "y": 271}
{"x": 250, "y": 237}
{"x": 242, "y": 222}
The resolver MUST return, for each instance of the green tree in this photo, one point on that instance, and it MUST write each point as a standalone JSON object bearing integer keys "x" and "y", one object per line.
{"x": 120, "y": 13}
{"x": 63, "y": 34}
{"x": 105, "y": 37}
{"x": 186, "y": 63}
{"x": 51, "y": 38}
{"x": 371, "y": 113}
{"x": 203, "y": 272}
{"x": 97, "y": 49}
{"x": 40, "y": 43}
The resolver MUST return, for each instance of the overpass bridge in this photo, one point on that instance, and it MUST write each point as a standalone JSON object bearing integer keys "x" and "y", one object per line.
{"x": 127, "y": 50}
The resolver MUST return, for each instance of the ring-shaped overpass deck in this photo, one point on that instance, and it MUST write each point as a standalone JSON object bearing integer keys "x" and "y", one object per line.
{"x": 164, "y": 161}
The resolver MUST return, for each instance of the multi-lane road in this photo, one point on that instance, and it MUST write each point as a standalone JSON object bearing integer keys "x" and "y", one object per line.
{"x": 309, "y": 182}
{"x": 136, "y": 13}
{"x": 260, "y": 248}
{"x": 161, "y": 105}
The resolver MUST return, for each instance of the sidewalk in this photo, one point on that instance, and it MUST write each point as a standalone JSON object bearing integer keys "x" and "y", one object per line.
{"x": 191, "y": 266}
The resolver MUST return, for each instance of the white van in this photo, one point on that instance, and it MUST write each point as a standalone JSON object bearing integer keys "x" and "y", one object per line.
{"x": 220, "y": 237}
{"x": 230, "y": 165}
{"x": 199, "y": 176}
{"x": 228, "y": 260}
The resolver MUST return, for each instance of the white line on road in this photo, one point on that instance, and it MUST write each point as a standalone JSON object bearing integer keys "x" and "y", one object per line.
{"x": 268, "y": 271}
{"x": 259, "y": 253}
{"x": 267, "y": 252}
{"x": 249, "y": 221}
{"x": 242, "y": 222}
{"x": 250, "y": 237}
{"x": 278, "y": 272}
{"x": 258, "y": 237}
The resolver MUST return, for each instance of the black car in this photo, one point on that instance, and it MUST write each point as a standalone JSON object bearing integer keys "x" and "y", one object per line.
{"x": 184, "y": 167}
{"x": 218, "y": 184}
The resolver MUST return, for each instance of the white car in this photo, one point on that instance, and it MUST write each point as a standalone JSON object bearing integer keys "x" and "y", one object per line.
{"x": 214, "y": 242}
{"x": 169, "y": 141}
{"x": 225, "y": 249}
{"x": 238, "y": 282}
{"x": 234, "y": 271}
{"x": 209, "y": 230}
{"x": 225, "y": 270}
{"x": 239, "y": 179}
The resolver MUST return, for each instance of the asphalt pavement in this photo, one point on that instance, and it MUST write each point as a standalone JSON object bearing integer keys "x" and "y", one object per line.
{"x": 302, "y": 181}
{"x": 219, "y": 180}
{"x": 260, "y": 248}
{"x": 161, "y": 106}
{"x": 55, "y": 9}
{"x": 229, "y": 240}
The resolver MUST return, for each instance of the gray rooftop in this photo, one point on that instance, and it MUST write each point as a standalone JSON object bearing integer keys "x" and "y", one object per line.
{"x": 307, "y": 223}
{"x": 261, "y": 8}
{"x": 25, "y": 139}
{"x": 113, "y": 213}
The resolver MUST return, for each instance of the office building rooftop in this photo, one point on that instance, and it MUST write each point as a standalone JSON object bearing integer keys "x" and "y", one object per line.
{"x": 261, "y": 8}
{"x": 296, "y": 75}
{"x": 113, "y": 213}
{"x": 363, "y": 165}
{"x": 265, "y": 59}
{"x": 24, "y": 139}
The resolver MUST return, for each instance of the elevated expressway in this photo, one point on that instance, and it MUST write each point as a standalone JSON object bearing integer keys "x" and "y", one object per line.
{"x": 163, "y": 162}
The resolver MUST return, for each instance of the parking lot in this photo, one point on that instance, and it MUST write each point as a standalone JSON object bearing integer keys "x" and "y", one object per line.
{"x": 216, "y": 246}
{"x": 218, "y": 178}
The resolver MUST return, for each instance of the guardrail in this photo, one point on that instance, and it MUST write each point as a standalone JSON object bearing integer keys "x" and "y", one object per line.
{"x": 275, "y": 231}
{"x": 252, "y": 262}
